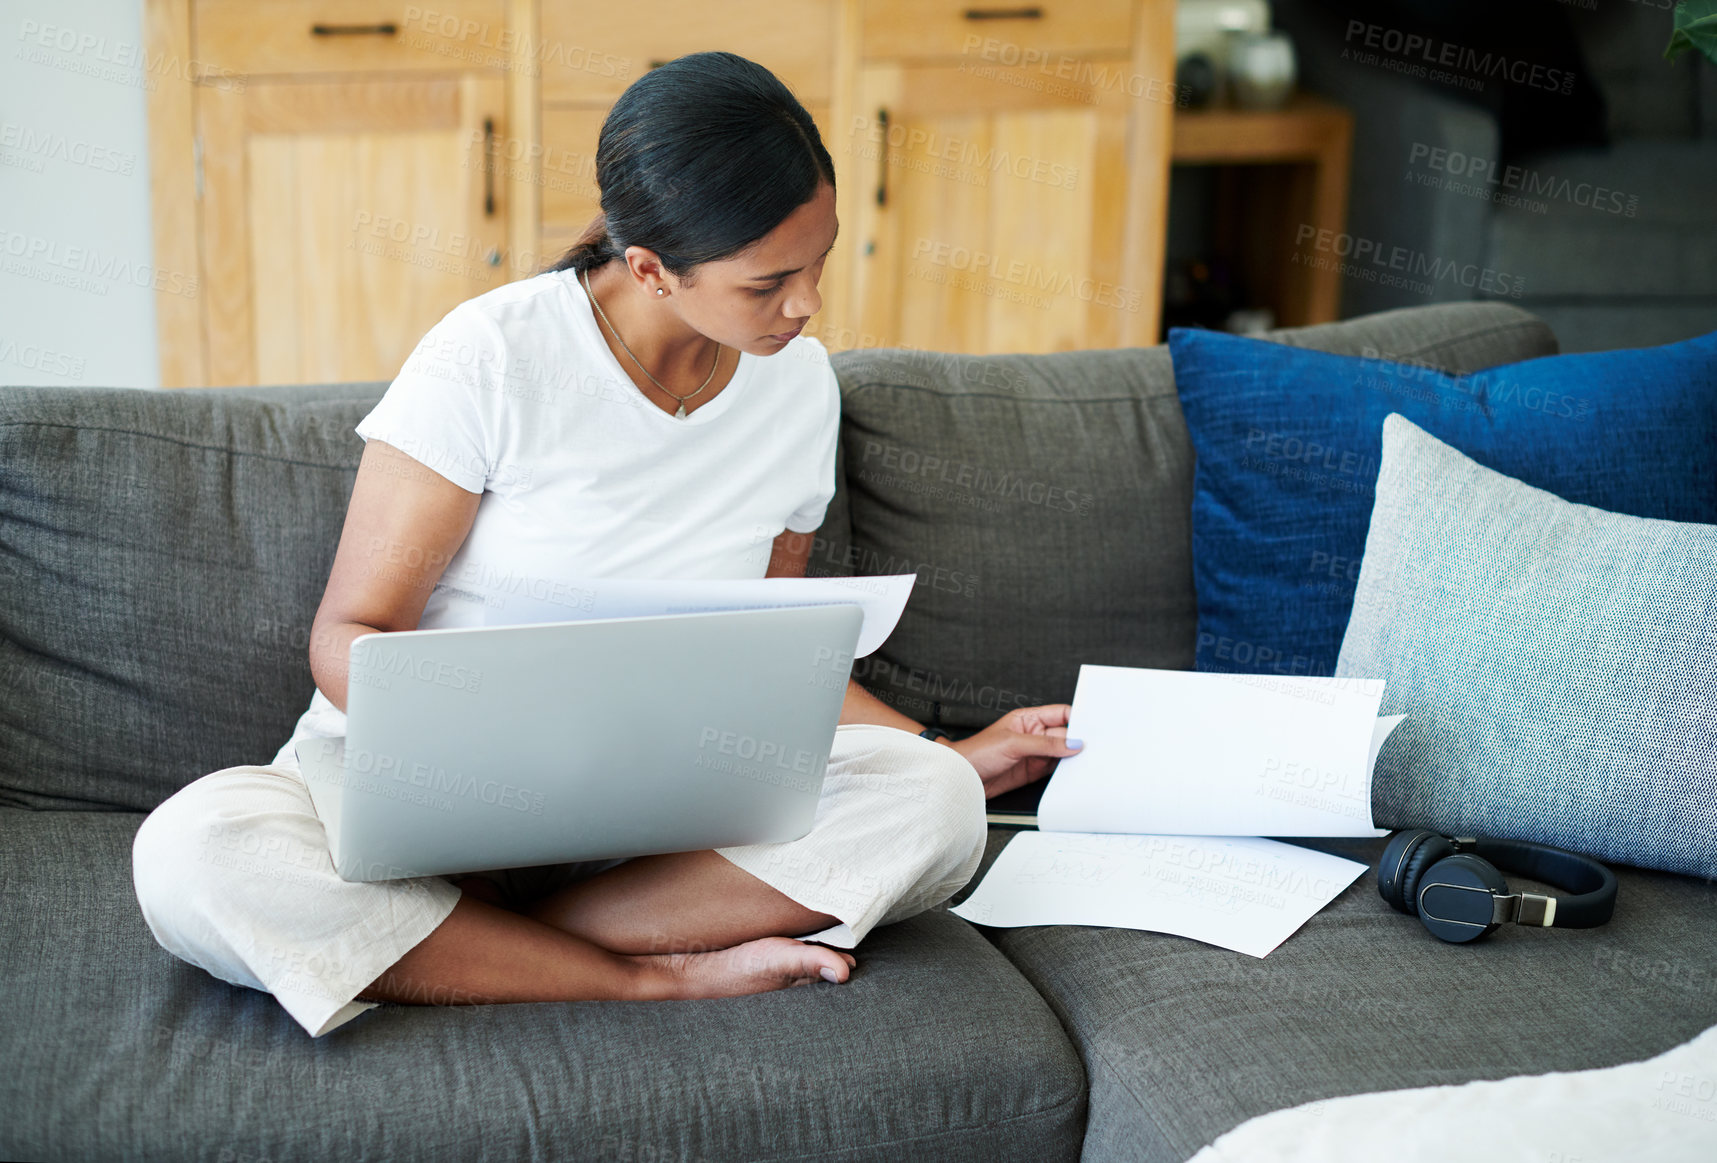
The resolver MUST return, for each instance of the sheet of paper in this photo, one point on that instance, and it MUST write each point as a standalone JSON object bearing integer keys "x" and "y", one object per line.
{"x": 1244, "y": 894}
{"x": 1175, "y": 752}
{"x": 581, "y": 599}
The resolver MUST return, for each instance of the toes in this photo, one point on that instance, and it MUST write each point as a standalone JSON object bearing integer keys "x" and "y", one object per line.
{"x": 841, "y": 953}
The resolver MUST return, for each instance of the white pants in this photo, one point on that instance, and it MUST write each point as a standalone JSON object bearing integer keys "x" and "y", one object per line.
{"x": 234, "y": 875}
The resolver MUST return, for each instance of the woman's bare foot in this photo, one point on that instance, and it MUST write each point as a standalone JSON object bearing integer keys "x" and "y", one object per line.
{"x": 759, "y": 966}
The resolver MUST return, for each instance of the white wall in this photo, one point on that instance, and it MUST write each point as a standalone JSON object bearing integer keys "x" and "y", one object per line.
{"x": 76, "y": 258}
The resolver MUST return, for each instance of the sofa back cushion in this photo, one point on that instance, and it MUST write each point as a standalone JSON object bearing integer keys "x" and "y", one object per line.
{"x": 162, "y": 554}
{"x": 1044, "y": 502}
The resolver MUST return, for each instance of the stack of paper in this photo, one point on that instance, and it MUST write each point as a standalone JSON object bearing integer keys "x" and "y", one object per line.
{"x": 1155, "y": 824}
{"x": 1175, "y": 751}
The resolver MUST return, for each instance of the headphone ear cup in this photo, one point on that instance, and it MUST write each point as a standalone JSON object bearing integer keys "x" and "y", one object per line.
{"x": 1395, "y": 852}
{"x": 1483, "y": 870}
{"x": 1458, "y": 905}
{"x": 1391, "y": 869}
{"x": 1434, "y": 849}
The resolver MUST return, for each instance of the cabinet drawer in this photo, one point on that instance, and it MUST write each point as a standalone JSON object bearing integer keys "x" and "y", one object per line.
{"x": 591, "y": 53}
{"x": 346, "y": 36}
{"x": 918, "y": 29}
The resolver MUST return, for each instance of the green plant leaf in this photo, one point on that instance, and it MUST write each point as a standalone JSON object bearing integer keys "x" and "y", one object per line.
{"x": 1695, "y": 27}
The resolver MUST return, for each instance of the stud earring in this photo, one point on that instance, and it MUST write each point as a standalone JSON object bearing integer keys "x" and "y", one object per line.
{"x": 661, "y": 291}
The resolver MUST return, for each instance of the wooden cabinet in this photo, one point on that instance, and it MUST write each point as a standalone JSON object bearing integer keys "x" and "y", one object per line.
{"x": 343, "y": 172}
{"x": 1011, "y": 175}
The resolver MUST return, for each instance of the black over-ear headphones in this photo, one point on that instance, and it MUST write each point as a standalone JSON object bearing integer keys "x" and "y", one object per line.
{"x": 1453, "y": 885}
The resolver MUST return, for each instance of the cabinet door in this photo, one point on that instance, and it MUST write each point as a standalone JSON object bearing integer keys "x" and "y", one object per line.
{"x": 993, "y": 212}
{"x": 342, "y": 219}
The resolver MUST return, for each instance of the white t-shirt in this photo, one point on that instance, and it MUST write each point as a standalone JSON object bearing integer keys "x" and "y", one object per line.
{"x": 516, "y": 396}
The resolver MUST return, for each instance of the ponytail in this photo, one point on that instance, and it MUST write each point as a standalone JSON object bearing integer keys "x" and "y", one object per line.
{"x": 593, "y": 249}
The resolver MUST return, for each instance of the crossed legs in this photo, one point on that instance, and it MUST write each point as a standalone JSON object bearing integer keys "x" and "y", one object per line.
{"x": 683, "y": 924}
{"x": 900, "y": 827}
{"x": 676, "y": 902}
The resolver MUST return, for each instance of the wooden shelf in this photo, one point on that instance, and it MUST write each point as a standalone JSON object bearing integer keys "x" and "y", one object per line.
{"x": 1307, "y": 128}
{"x": 1302, "y": 151}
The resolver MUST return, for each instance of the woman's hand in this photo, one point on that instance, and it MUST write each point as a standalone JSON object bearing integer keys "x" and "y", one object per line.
{"x": 1019, "y": 747}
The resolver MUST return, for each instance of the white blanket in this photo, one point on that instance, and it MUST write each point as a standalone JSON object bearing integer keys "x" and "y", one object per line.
{"x": 1662, "y": 1110}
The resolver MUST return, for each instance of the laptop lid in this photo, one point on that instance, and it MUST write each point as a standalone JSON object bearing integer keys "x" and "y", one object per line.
{"x": 1018, "y": 807}
{"x": 504, "y": 747}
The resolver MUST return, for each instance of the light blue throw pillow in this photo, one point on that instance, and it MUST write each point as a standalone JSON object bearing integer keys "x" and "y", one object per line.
{"x": 1558, "y": 663}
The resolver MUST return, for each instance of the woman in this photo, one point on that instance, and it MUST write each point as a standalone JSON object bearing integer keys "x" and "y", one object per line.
{"x": 624, "y": 414}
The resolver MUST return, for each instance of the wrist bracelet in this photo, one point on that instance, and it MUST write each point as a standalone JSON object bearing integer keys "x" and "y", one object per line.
{"x": 934, "y": 733}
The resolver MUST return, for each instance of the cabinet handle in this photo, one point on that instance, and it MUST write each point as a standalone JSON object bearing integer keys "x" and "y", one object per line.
{"x": 354, "y": 29}
{"x": 1031, "y": 13}
{"x": 882, "y": 162}
{"x": 488, "y": 169}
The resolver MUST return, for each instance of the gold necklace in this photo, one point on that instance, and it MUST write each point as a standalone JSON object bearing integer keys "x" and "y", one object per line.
{"x": 681, "y": 414}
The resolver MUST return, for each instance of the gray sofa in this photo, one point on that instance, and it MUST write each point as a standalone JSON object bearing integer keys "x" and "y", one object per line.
{"x": 161, "y": 557}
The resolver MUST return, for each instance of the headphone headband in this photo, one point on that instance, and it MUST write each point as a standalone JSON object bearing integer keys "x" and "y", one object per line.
{"x": 1593, "y": 887}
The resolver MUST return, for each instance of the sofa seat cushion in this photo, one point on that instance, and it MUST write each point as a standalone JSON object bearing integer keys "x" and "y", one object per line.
{"x": 935, "y": 1049}
{"x": 1183, "y": 1041}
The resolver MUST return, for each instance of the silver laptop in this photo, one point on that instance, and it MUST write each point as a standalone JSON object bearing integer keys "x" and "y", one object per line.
{"x": 504, "y": 747}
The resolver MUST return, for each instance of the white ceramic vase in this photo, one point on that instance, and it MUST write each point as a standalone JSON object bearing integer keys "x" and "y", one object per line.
{"x": 1261, "y": 69}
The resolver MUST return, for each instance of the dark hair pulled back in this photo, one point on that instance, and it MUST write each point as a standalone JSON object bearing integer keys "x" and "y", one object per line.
{"x": 697, "y": 160}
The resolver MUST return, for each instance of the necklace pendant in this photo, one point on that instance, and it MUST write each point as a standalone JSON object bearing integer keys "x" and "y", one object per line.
{"x": 681, "y": 414}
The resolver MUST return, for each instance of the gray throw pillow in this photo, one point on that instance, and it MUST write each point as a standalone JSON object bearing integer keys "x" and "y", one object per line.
{"x": 1558, "y": 663}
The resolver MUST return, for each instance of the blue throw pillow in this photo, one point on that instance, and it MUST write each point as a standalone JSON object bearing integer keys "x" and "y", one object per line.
{"x": 1557, "y": 664}
{"x": 1287, "y": 443}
